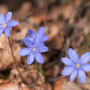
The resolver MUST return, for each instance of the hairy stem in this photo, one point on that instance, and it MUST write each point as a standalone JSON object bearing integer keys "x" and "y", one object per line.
{"x": 22, "y": 78}
{"x": 37, "y": 67}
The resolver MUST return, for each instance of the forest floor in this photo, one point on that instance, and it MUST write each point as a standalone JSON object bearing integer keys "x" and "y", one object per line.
{"x": 67, "y": 24}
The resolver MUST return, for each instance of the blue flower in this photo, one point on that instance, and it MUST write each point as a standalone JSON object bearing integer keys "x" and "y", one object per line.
{"x": 33, "y": 35}
{"x": 75, "y": 66}
{"x": 6, "y": 23}
{"x": 34, "y": 48}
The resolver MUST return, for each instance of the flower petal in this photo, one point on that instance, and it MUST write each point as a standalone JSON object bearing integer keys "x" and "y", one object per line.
{"x": 2, "y": 18}
{"x": 73, "y": 75}
{"x": 37, "y": 40}
{"x": 29, "y": 38}
{"x": 27, "y": 42}
{"x": 81, "y": 76}
{"x": 41, "y": 44}
{"x": 85, "y": 58}
{"x": 67, "y": 61}
{"x": 44, "y": 38}
{"x": 1, "y": 31}
{"x": 41, "y": 31}
{"x": 39, "y": 35}
{"x": 7, "y": 32}
{"x": 39, "y": 58}
{"x": 73, "y": 55}
{"x": 8, "y": 17}
{"x": 43, "y": 49}
{"x": 30, "y": 58}
{"x": 32, "y": 33}
{"x": 24, "y": 51}
{"x": 86, "y": 67}
{"x": 67, "y": 70}
{"x": 13, "y": 23}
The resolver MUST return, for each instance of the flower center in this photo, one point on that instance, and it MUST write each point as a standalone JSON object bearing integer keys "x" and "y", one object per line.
{"x": 10, "y": 28}
{"x": 78, "y": 65}
{"x": 4, "y": 25}
{"x": 34, "y": 49}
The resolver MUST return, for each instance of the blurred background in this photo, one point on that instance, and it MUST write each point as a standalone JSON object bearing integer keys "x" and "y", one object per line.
{"x": 67, "y": 23}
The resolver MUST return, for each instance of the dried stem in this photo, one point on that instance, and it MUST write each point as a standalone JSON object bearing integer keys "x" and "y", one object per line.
{"x": 46, "y": 11}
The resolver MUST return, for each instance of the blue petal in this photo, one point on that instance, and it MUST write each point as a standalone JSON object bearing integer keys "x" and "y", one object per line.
{"x": 27, "y": 42}
{"x": 13, "y": 23}
{"x": 2, "y": 18}
{"x": 73, "y": 55}
{"x": 39, "y": 35}
{"x": 86, "y": 67}
{"x": 44, "y": 38}
{"x": 67, "y": 61}
{"x": 43, "y": 49}
{"x": 85, "y": 58}
{"x": 8, "y": 17}
{"x": 1, "y": 26}
{"x": 67, "y": 70}
{"x": 39, "y": 58}
{"x": 31, "y": 33}
{"x": 41, "y": 44}
{"x": 37, "y": 40}
{"x": 41, "y": 31}
{"x": 29, "y": 38}
{"x": 7, "y": 32}
{"x": 24, "y": 51}
{"x": 81, "y": 76}
{"x": 73, "y": 75}
{"x": 30, "y": 58}
{"x": 1, "y": 31}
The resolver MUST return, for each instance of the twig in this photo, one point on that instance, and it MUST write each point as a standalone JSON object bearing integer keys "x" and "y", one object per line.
{"x": 31, "y": 14}
{"x": 46, "y": 15}
{"x": 46, "y": 11}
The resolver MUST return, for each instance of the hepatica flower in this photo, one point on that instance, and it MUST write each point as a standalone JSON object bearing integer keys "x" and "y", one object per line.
{"x": 32, "y": 36}
{"x": 75, "y": 66}
{"x": 6, "y": 23}
{"x": 34, "y": 47}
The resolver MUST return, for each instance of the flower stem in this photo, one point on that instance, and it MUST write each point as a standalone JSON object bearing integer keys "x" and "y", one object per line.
{"x": 37, "y": 72}
{"x": 22, "y": 78}
{"x": 12, "y": 53}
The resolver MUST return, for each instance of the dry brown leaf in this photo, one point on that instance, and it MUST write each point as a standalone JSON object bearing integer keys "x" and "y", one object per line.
{"x": 65, "y": 85}
{"x": 30, "y": 77}
{"x": 6, "y": 60}
{"x": 13, "y": 86}
{"x": 3, "y": 9}
{"x": 85, "y": 86}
